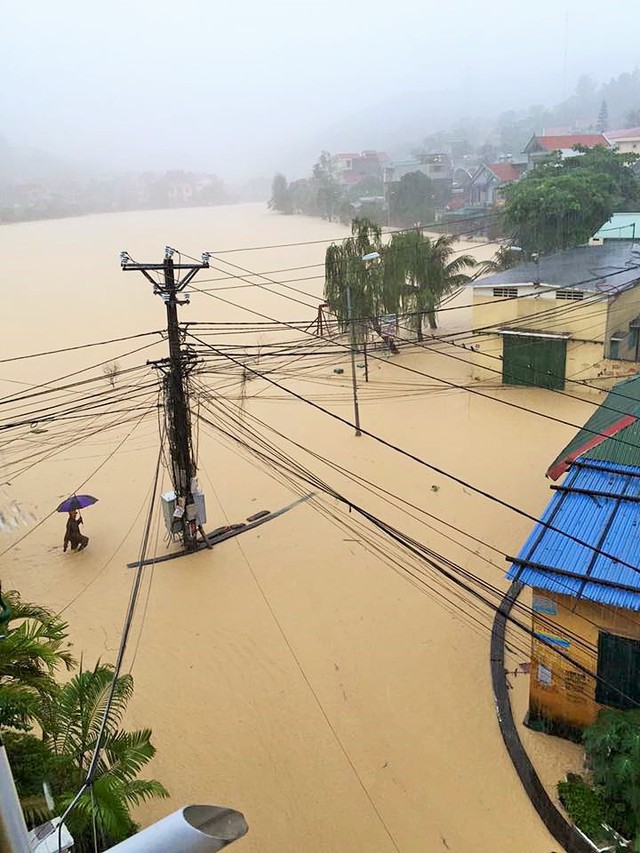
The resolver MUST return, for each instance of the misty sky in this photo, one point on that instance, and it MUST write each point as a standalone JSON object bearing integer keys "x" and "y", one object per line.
{"x": 242, "y": 88}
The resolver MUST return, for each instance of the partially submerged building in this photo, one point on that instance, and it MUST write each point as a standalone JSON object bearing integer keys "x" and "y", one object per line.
{"x": 582, "y": 561}
{"x": 573, "y": 313}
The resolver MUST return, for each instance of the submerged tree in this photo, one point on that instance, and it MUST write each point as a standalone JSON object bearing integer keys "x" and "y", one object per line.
{"x": 419, "y": 272}
{"x": 280, "y": 196}
{"x": 345, "y": 269}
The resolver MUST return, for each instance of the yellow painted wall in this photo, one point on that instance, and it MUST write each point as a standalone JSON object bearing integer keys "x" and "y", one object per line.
{"x": 569, "y": 698}
{"x": 586, "y": 321}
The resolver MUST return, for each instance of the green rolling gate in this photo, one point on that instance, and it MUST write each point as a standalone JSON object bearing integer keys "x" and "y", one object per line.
{"x": 534, "y": 360}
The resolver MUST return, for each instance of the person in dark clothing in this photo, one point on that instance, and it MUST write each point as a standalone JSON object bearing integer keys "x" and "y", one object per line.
{"x": 72, "y": 534}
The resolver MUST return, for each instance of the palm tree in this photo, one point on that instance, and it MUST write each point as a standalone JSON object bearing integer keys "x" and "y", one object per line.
{"x": 344, "y": 269}
{"x": 33, "y": 647}
{"x": 70, "y": 721}
{"x": 419, "y": 272}
{"x": 504, "y": 259}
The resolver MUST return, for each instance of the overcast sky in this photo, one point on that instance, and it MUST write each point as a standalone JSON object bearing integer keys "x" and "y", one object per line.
{"x": 240, "y": 87}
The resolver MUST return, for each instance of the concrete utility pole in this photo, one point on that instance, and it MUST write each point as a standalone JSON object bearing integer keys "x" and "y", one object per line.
{"x": 354, "y": 381}
{"x": 175, "y": 370}
{"x": 13, "y": 830}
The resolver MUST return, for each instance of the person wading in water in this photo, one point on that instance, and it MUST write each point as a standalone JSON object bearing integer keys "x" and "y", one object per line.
{"x": 72, "y": 534}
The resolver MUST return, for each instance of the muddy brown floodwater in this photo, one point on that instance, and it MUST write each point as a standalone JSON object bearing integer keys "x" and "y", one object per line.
{"x": 298, "y": 672}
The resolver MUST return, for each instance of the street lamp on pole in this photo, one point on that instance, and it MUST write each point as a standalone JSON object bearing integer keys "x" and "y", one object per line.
{"x": 371, "y": 256}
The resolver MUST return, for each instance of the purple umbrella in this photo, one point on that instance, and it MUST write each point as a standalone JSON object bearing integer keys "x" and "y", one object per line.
{"x": 76, "y": 502}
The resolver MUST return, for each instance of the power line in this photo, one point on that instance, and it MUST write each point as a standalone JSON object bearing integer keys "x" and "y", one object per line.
{"x": 434, "y": 468}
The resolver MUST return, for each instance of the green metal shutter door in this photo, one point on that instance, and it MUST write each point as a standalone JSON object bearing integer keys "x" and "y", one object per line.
{"x": 619, "y": 671}
{"x": 539, "y": 362}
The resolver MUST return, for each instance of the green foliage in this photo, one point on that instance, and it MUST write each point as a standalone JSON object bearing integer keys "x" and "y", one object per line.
{"x": 344, "y": 268}
{"x": 504, "y": 259}
{"x": 280, "y": 195}
{"x": 561, "y": 203}
{"x": 328, "y": 189}
{"x": 414, "y": 275}
{"x": 413, "y": 200}
{"x": 31, "y": 653}
{"x": 612, "y": 746}
{"x": 603, "y": 118}
{"x": 418, "y": 273}
{"x": 583, "y": 804}
{"x": 70, "y": 720}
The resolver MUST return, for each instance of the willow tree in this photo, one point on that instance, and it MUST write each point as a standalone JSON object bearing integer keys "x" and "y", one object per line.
{"x": 345, "y": 269}
{"x": 419, "y": 272}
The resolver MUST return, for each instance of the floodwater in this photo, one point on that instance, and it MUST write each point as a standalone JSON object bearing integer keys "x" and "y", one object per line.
{"x": 298, "y": 672}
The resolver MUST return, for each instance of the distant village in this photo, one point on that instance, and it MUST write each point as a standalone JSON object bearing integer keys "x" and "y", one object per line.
{"x": 432, "y": 186}
{"x": 52, "y": 198}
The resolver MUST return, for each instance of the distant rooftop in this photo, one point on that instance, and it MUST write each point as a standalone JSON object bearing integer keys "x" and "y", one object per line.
{"x": 621, "y": 226}
{"x": 625, "y": 133}
{"x": 607, "y": 268}
{"x": 566, "y": 143}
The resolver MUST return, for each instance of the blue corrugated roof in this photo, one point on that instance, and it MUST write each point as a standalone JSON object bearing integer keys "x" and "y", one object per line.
{"x": 608, "y": 524}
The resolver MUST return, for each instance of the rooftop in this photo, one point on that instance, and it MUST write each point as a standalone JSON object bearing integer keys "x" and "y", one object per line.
{"x": 625, "y": 133}
{"x": 598, "y": 505}
{"x": 612, "y": 433}
{"x": 505, "y": 171}
{"x": 606, "y": 268}
{"x": 621, "y": 226}
{"x": 564, "y": 143}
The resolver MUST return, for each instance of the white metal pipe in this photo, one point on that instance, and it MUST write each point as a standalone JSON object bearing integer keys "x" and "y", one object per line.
{"x": 192, "y": 829}
{"x": 13, "y": 829}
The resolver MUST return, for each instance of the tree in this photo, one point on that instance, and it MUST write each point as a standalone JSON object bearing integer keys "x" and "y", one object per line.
{"x": 280, "y": 196}
{"x": 419, "y": 272}
{"x": 328, "y": 189}
{"x": 603, "y": 118}
{"x": 413, "y": 199}
{"x": 504, "y": 259}
{"x": 561, "y": 203}
{"x": 344, "y": 268}
{"x": 612, "y": 746}
{"x": 33, "y": 649}
{"x": 70, "y": 720}
{"x": 632, "y": 118}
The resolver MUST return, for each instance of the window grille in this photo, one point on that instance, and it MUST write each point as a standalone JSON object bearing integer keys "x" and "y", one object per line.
{"x": 570, "y": 294}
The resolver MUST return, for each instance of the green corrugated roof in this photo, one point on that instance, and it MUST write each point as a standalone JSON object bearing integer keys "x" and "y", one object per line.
{"x": 623, "y": 446}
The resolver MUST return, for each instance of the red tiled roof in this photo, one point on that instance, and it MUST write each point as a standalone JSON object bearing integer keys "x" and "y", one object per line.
{"x": 559, "y": 143}
{"x": 505, "y": 172}
{"x": 458, "y": 202}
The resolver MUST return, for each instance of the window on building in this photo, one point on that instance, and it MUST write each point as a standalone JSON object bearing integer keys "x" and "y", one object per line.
{"x": 570, "y": 294}
{"x": 614, "y": 348}
{"x": 506, "y": 292}
{"x": 618, "y": 684}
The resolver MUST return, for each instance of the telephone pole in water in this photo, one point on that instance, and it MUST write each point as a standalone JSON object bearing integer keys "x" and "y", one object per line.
{"x": 187, "y": 515}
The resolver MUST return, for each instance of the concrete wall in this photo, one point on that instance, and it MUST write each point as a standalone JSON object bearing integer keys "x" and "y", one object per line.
{"x": 560, "y": 691}
{"x": 583, "y": 320}
{"x": 588, "y": 322}
{"x": 623, "y": 309}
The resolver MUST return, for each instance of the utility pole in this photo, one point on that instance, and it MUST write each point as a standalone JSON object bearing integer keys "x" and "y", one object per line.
{"x": 356, "y": 410}
{"x": 185, "y": 515}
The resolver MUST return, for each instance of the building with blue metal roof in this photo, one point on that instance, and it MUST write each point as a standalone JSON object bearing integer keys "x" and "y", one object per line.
{"x": 582, "y": 561}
